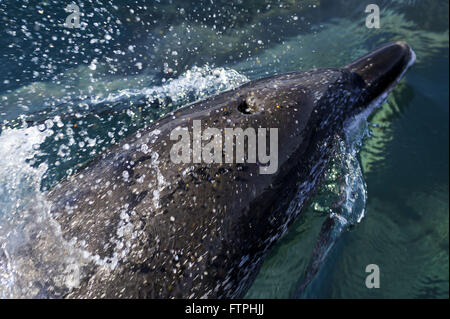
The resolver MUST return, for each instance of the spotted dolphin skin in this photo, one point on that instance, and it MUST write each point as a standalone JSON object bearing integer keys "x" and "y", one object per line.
{"x": 157, "y": 229}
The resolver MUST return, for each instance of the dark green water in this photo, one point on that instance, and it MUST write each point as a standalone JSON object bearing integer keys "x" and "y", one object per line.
{"x": 151, "y": 57}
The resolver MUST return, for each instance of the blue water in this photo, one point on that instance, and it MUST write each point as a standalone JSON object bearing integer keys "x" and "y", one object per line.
{"x": 131, "y": 62}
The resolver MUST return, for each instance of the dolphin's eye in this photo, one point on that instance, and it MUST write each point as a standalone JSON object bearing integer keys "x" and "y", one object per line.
{"x": 247, "y": 108}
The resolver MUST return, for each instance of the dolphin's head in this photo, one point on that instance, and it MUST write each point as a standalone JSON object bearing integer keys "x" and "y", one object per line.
{"x": 326, "y": 94}
{"x": 366, "y": 79}
{"x": 307, "y": 108}
{"x": 314, "y": 104}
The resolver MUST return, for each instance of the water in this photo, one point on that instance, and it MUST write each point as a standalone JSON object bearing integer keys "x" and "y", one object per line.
{"x": 68, "y": 94}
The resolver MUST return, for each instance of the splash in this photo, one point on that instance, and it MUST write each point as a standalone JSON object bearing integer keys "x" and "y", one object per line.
{"x": 35, "y": 261}
{"x": 353, "y": 190}
{"x": 41, "y": 100}
{"x": 341, "y": 198}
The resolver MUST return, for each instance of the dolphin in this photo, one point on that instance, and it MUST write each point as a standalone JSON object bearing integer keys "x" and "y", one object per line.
{"x": 153, "y": 228}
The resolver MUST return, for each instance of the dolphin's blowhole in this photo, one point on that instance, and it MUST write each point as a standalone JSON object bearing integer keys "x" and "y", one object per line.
{"x": 247, "y": 108}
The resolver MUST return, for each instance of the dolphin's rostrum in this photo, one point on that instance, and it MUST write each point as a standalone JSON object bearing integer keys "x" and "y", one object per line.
{"x": 162, "y": 229}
